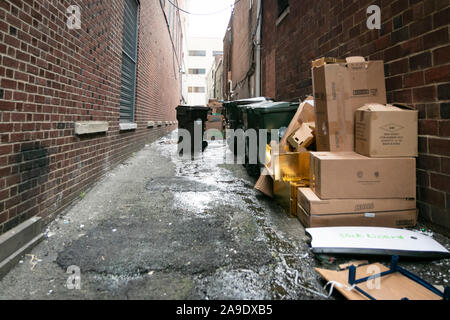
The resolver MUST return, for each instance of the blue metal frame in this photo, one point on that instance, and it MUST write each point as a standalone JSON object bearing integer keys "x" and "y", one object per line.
{"x": 394, "y": 268}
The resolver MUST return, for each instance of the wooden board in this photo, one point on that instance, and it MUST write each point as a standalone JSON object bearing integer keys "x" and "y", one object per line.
{"x": 392, "y": 287}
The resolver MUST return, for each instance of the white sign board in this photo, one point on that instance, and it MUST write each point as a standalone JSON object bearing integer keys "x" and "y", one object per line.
{"x": 378, "y": 241}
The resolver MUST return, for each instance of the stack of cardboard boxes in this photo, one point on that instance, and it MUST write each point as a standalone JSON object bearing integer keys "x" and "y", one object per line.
{"x": 364, "y": 173}
{"x": 287, "y": 164}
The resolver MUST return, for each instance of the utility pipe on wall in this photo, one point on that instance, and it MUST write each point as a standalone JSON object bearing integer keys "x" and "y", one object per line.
{"x": 258, "y": 50}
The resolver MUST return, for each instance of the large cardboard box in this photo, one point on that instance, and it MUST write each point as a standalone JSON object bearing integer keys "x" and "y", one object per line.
{"x": 313, "y": 205}
{"x": 386, "y": 131}
{"x": 348, "y": 175}
{"x": 339, "y": 90}
{"x": 387, "y": 219}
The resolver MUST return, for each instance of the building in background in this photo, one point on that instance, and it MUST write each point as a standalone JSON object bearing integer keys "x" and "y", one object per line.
{"x": 215, "y": 79}
{"x": 201, "y": 53}
{"x": 242, "y": 51}
{"x": 117, "y": 78}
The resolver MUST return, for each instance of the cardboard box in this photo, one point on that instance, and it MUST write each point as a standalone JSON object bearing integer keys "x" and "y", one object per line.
{"x": 339, "y": 90}
{"x": 348, "y": 175}
{"x": 285, "y": 193}
{"x": 214, "y": 126}
{"x": 304, "y": 114}
{"x": 313, "y": 205}
{"x": 324, "y": 60}
{"x": 387, "y": 219}
{"x": 302, "y": 138}
{"x": 216, "y": 106}
{"x": 293, "y": 166}
{"x": 213, "y": 118}
{"x": 386, "y": 131}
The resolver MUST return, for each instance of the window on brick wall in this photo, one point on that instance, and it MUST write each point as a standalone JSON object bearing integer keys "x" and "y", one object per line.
{"x": 282, "y": 6}
{"x": 197, "y": 71}
{"x": 196, "y": 89}
{"x": 197, "y": 53}
{"x": 129, "y": 60}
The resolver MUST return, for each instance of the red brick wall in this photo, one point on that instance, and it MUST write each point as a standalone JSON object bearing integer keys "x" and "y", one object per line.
{"x": 51, "y": 77}
{"x": 227, "y": 58}
{"x": 241, "y": 53}
{"x": 413, "y": 42}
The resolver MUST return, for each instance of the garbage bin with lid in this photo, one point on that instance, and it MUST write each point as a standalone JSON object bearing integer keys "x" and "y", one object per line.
{"x": 269, "y": 115}
{"x": 232, "y": 114}
{"x": 188, "y": 118}
{"x": 266, "y": 116}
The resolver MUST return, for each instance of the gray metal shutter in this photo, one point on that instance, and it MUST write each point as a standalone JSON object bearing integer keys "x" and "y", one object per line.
{"x": 129, "y": 59}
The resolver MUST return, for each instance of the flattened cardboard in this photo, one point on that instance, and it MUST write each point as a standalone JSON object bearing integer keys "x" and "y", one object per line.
{"x": 313, "y": 205}
{"x": 391, "y": 287}
{"x": 265, "y": 184}
{"x": 387, "y": 219}
{"x": 339, "y": 90}
{"x": 348, "y": 175}
{"x": 386, "y": 131}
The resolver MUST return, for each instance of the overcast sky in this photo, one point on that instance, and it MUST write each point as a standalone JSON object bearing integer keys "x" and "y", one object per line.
{"x": 212, "y": 25}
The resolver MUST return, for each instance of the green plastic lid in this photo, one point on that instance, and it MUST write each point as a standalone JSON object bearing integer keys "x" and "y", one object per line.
{"x": 201, "y": 108}
{"x": 270, "y": 107}
{"x": 248, "y": 101}
{"x": 253, "y": 105}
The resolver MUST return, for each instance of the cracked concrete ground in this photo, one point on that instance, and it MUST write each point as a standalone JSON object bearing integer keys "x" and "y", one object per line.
{"x": 159, "y": 227}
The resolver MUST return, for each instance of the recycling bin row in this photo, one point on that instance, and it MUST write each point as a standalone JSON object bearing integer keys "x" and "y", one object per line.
{"x": 257, "y": 114}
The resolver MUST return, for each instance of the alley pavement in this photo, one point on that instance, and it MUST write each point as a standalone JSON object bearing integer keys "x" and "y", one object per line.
{"x": 160, "y": 227}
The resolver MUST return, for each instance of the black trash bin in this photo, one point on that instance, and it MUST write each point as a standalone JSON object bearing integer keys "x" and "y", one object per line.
{"x": 188, "y": 118}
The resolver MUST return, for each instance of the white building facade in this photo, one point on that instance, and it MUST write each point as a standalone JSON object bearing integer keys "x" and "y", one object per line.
{"x": 200, "y": 55}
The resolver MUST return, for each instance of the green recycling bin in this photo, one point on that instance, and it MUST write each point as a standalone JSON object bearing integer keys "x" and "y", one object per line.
{"x": 269, "y": 116}
{"x": 265, "y": 116}
{"x": 232, "y": 114}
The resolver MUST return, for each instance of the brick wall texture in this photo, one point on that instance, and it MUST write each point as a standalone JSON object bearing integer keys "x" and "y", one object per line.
{"x": 240, "y": 50}
{"x": 414, "y": 44}
{"x": 51, "y": 77}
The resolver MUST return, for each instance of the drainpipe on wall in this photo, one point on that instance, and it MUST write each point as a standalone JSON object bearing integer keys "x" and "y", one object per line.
{"x": 258, "y": 50}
